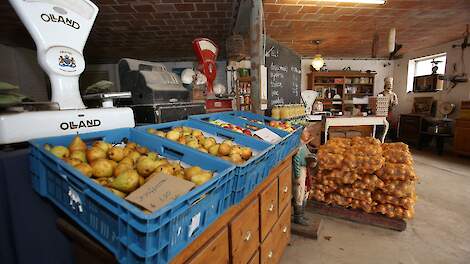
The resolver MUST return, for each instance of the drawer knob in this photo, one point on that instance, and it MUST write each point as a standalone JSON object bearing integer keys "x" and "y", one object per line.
{"x": 247, "y": 236}
{"x": 284, "y": 230}
{"x": 271, "y": 207}
{"x": 285, "y": 189}
{"x": 270, "y": 254}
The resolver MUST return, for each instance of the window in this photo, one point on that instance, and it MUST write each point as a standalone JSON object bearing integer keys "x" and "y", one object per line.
{"x": 423, "y": 66}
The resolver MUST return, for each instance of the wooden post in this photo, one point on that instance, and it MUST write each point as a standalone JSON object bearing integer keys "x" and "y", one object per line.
{"x": 257, "y": 54}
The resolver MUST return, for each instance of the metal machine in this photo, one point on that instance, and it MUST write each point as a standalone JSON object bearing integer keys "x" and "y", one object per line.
{"x": 60, "y": 29}
{"x": 157, "y": 94}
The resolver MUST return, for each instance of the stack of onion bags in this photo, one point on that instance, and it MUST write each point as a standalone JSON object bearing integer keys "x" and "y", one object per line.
{"x": 362, "y": 173}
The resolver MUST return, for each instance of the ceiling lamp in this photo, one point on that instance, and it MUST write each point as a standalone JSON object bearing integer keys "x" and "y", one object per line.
{"x": 317, "y": 61}
{"x": 374, "y": 2}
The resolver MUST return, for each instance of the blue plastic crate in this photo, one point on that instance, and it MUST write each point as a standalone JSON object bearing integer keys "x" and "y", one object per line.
{"x": 133, "y": 236}
{"x": 292, "y": 141}
{"x": 289, "y": 142}
{"x": 250, "y": 173}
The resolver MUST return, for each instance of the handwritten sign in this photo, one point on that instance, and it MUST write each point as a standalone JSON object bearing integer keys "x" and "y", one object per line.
{"x": 284, "y": 74}
{"x": 159, "y": 191}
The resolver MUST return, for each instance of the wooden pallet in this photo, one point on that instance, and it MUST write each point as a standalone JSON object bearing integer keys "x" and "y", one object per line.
{"x": 356, "y": 215}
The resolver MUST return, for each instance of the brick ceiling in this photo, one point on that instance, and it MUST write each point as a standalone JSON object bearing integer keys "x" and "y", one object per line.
{"x": 143, "y": 29}
{"x": 347, "y": 29}
{"x": 164, "y": 29}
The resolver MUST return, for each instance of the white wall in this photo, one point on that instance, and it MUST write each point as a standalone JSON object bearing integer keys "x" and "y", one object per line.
{"x": 459, "y": 93}
{"x": 19, "y": 66}
{"x": 356, "y": 65}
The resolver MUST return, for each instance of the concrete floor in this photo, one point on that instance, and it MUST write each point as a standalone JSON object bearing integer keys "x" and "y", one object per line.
{"x": 439, "y": 233}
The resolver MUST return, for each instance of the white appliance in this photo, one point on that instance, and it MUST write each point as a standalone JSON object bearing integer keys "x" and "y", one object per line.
{"x": 60, "y": 29}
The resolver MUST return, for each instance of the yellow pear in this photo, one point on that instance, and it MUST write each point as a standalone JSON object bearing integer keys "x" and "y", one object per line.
{"x": 117, "y": 192}
{"x": 131, "y": 145}
{"x": 166, "y": 169}
{"x": 160, "y": 162}
{"x": 191, "y": 171}
{"x": 127, "y": 151}
{"x": 127, "y": 160}
{"x": 203, "y": 150}
{"x": 193, "y": 144}
{"x": 141, "y": 180}
{"x": 60, "y": 152}
{"x": 224, "y": 149}
{"x": 142, "y": 150}
{"x": 197, "y": 133}
{"x": 145, "y": 166}
{"x": 78, "y": 154}
{"x": 229, "y": 142}
{"x": 152, "y": 155}
{"x": 134, "y": 155}
{"x": 214, "y": 149}
{"x": 102, "y": 145}
{"x": 235, "y": 149}
{"x": 236, "y": 158}
{"x": 151, "y": 130}
{"x": 116, "y": 153}
{"x": 85, "y": 169}
{"x": 160, "y": 133}
{"x": 72, "y": 161}
{"x": 246, "y": 153}
{"x": 122, "y": 167}
{"x": 201, "y": 178}
{"x": 126, "y": 182}
{"x": 94, "y": 153}
{"x": 77, "y": 144}
{"x": 173, "y": 135}
{"x": 102, "y": 168}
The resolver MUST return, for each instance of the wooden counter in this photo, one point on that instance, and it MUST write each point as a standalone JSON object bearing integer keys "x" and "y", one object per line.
{"x": 257, "y": 230}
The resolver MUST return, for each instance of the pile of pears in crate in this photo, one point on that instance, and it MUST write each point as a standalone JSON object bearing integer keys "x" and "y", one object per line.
{"x": 125, "y": 167}
{"x": 195, "y": 138}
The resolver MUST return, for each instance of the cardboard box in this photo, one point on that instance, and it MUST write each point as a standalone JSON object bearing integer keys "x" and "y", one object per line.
{"x": 159, "y": 191}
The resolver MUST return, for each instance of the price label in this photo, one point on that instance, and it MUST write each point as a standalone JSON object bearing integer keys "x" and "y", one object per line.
{"x": 267, "y": 135}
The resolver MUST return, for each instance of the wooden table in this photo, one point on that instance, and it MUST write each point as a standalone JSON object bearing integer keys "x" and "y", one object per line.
{"x": 357, "y": 121}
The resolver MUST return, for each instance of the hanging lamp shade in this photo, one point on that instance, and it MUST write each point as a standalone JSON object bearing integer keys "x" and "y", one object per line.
{"x": 318, "y": 62}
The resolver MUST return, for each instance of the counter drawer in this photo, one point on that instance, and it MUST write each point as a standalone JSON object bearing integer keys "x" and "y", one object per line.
{"x": 215, "y": 251}
{"x": 244, "y": 230}
{"x": 285, "y": 188}
{"x": 268, "y": 249}
{"x": 269, "y": 208}
{"x": 282, "y": 230}
{"x": 255, "y": 258}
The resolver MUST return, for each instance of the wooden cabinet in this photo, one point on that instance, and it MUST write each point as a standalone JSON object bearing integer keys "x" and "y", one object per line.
{"x": 215, "y": 251}
{"x": 462, "y": 136}
{"x": 269, "y": 208}
{"x": 256, "y": 230}
{"x": 410, "y": 128}
{"x": 244, "y": 233}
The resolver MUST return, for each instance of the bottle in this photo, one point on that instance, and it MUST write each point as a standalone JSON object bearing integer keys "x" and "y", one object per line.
{"x": 276, "y": 112}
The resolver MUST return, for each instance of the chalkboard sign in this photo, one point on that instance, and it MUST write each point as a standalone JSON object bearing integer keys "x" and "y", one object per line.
{"x": 284, "y": 74}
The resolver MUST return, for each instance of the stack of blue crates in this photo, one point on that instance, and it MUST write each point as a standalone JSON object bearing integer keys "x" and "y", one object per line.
{"x": 134, "y": 236}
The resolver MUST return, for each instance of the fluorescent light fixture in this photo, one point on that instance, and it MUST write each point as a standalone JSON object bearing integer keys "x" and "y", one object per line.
{"x": 375, "y": 2}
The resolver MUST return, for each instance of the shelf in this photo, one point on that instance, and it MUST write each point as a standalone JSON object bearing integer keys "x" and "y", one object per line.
{"x": 327, "y": 83}
{"x": 369, "y": 84}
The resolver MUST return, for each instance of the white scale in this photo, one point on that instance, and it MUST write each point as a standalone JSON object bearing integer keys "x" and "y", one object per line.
{"x": 60, "y": 29}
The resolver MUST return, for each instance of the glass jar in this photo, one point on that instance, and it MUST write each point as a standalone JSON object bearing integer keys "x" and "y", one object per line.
{"x": 284, "y": 112}
{"x": 276, "y": 112}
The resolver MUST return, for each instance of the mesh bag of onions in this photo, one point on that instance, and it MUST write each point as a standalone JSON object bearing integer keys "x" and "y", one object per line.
{"x": 362, "y": 173}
